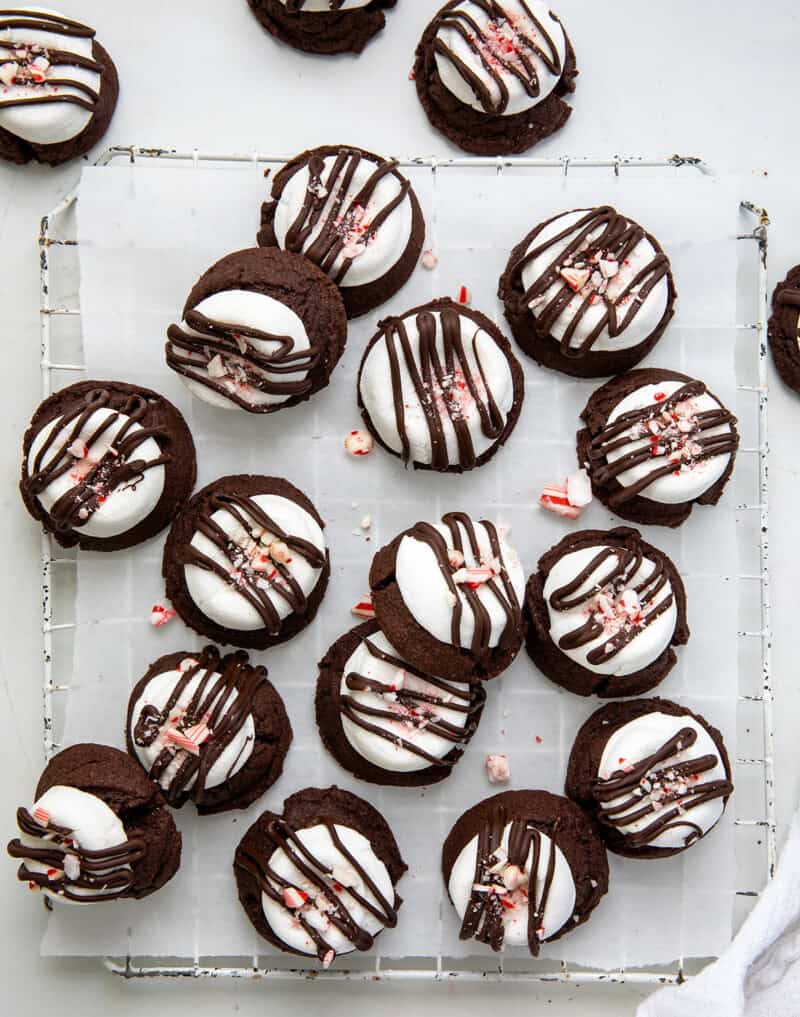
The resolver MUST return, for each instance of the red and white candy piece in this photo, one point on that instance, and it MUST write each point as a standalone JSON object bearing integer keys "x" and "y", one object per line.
{"x": 579, "y": 489}
{"x": 279, "y": 551}
{"x": 429, "y": 260}
{"x": 198, "y": 733}
{"x": 78, "y": 449}
{"x": 327, "y": 960}
{"x": 178, "y": 738}
{"x": 473, "y": 577}
{"x": 514, "y": 877}
{"x": 359, "y": 443}
{"x": 364, "y": 608}
{"x": 497, "y": 769}
{"x": 72, "y": 866}
{"x": 294, "y": 898}
{"x": 8, "y": 73}
{"x": 41, "y": 816}
{"x": 216, "y": 368}
{"x": 160, "y": 615}
{"x": 455, "y": 557}
{"x": 464, "y": 295}
{"x": 554, "y": 498}
{"x": 575, "y": 278}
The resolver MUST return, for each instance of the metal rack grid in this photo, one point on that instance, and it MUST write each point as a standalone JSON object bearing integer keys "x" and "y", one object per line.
{"x": 53, "y": 560}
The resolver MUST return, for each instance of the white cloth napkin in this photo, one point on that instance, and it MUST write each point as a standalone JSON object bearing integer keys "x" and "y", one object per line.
{"x": 759, "y": 974}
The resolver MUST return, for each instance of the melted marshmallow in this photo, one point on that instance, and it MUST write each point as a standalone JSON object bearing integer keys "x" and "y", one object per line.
{"x": 425, "y": 591}
{"x": 692, "y": 481}
{"x": 560, "y": 901}
{"x": 94, "y": 826}
{"x": 644, "y": 322}
{"x": 639, "y": 739}
{"x": 218, "y": 599}
{"x": 156, "y": 693}
{"x": 48, "y": 123}
{"x": 377, "y": 750}
{"x": 641, "y": 651}
{"x": 318, "y": 842}
{"x": 518, "y": 100}
{"x": 383, "y": 250}
{"x": 125, "y": 506}
{"x": 376, "y": 388}
{"x": 249, "y": 310}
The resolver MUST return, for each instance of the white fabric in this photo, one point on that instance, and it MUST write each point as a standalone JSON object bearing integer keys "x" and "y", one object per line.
{"x": 759, "y": 975}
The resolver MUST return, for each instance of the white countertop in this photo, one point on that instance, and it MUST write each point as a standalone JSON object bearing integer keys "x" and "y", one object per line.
{"x": 717, "y": 79}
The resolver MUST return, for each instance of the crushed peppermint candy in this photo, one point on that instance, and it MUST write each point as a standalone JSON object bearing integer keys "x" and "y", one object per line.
{"x": 327, "y": 960}
{"x": 464, "y": 295}
{"x": 359, "y": 443}
{"x": 216, "y": 368}
{"x": 455, "y": 557}
{"x": 78, "y": 449}
{"x": 579, "y": 489}
{"x": 160, "y": 615}
{"x": 497, "y": 769}
{"x": 555, "y": 499}
{"x": 429, "y": 260}
{"x": 364, "y": 608}
{"x": 72, "y": 866}
{"x": 473, "y": 577}
{"x": 41, "y": 816}
{"x": 294, "y": 898}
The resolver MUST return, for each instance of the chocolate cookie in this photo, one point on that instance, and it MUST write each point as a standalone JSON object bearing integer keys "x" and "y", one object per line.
{"x": 588, "y": 292}
{"x": 262, "y": 329}
{"x": 106, "y": 465}
{"x": 491, "y": 74}
{"x": 209, "y": 729}
{"x": 246, "y": 561}
{"x": 320, "y": 879}
{"x": 353, "y": 214}
{"x": 604, "y": 611}
{"x": 448, "y": 596}
{"x": 97, "y": 830}
{"x": 495, "y": 847}
{"x": 784, "y": 329}
{"x": 655, "y": 775}
{"x": 440, "y": 388}
{"x": 655, "y": 444}
{"x": 386, "y": 721}
{"x": 58, "y": 87}
{"x": 323, "y": 26}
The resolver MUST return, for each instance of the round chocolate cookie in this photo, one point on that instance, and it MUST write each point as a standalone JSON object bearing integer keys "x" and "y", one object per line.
{"x": 604, "y": 611}
{"x": 323, "y": 26}
{"x": 209, "y": 729}
{"x": 494, "y": 849}
{"x": 97, "y": 830}
{"x": 106, "y": 465}
{"x": 491, "y": 74}
{"x": 588, "y": 292}
{"x": 386, "y": 721}
{"x": 655, "y": 776}
{"x": 353, "y": 214}
{"x": 319, "y": 880}
{"x": 262, "y": 329}
{"x": 246, "y": 561}
{"x": 58, "y": 87}
{"x": 655, "y": 444}
{"x": 440, "y": 388}
{"x": 448, "y": 596}
{"x": 784, "y": 329}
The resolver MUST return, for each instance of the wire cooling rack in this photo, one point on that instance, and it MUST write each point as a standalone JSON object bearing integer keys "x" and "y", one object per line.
{"x": 61, "y": 359}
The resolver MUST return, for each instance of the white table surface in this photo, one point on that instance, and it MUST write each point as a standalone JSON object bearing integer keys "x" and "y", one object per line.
{"x": 717, "y": 79}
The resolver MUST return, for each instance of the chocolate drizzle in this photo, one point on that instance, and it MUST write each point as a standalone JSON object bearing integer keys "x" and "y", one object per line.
{"x": 211, "y": 704}
{"x": 31, "y": 71}
{"x": 645, "y": 788}
{"x": 585, "y": 253}
{"x": 441, "y": 382}
{"x": 296, "y": 6}
{"x": 117, "y": 468}
{"x": 415, "y": 708}
{"x": 327, "y": 894}
{"x": 490, "y": 899}
{"x": 328, "y": 226}
{"x": 244, "y": 366}
{"x": 107, "y": 873}
{"x": 251, "y": 570}
{"x": 625, "y": 563}
{"x": 676, "y": 436}
{"x": 499, "y": 585}
{"x": 506, "y": 46}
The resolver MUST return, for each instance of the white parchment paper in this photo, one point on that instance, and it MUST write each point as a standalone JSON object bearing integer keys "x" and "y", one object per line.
{"x": 146, "y": 233}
